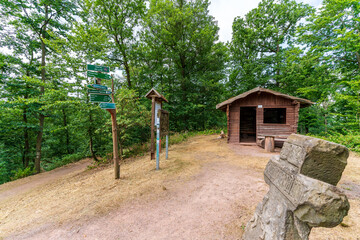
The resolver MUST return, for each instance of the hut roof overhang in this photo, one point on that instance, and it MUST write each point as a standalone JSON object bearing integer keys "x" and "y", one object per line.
{"x": 303, "y": 102}
{"x": 158, "y": 97}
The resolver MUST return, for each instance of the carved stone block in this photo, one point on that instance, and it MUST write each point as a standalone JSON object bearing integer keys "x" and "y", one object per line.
{"x": 302, "y": 190}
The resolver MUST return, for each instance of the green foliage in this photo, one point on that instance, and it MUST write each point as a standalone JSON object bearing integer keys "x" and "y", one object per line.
{"x": 132, "y": 117}
{"x": 261, "y": 43}
{"x": 332, "y": 35}
{"x": 180, "y": 56}
{"x": 55, "y": 162}
{"x": 350, "y": 139}
{"x": 21, "y": 173}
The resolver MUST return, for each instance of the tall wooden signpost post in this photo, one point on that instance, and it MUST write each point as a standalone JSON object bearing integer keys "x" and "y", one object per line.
{"x": 164, "y": 128}
{"x": 156, "y": 99}
{"x": 100, "y": 94}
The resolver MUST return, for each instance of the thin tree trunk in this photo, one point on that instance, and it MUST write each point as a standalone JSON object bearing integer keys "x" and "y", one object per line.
{"x": 120, "y": 144}
{"x": 26, "y": 139}
{"x": 127, "y": 70}
{"x": 26, "y": 157}
{"x": 38, "y": 143}
{"x": 90, "y": 132}
{"x": 325, "y": 122}
{"x": 358, "y": 59}
{"x": 42, "y": 91}
{"x": 66, "y": 132}
{"x": 121, "y": 45}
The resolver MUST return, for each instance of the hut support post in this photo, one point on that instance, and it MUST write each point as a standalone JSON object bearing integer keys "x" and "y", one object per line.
{"x": 152, "y": 145}
{"x": 228, "y": 121}
{"x": 167, "y": 146}
{"x": 297, "y": 107}
{"x": 157, "y": 147}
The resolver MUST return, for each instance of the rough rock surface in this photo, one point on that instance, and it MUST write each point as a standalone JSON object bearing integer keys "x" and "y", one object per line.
{"x": 302, "y": 190}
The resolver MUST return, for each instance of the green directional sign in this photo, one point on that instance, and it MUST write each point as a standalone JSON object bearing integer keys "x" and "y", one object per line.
{"x": 98, "y": 68}
{"x": 98, "y": 75}
{"x": 104, "y": 105}
{"x": 99, "y": 98}
{"x": 98, "y": 91}
{"x": 97, "y": 86}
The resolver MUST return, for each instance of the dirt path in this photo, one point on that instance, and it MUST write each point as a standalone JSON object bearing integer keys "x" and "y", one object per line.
{"x": 206, "y": 190}
{"x": 199, "y": 209}
{"x": 29, "y": 183}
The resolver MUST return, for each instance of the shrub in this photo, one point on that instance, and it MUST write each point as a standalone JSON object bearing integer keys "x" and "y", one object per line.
{"x": 351, "y": 139}
{"x": 21, "y": 173}
{"x": 55, "y": 163}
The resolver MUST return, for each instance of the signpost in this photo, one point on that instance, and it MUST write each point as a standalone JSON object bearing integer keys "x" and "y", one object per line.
{"x": 99, "y": 98}
{"x": 104, "y": 105}
{"x": 98, "y": 75}
{"x": 99, "y": 91}
{"x": 156, "y": 99}
{"x": 98, "y": 68}
{"x": 96, "y": 86}
{"x": 99, "y": 94}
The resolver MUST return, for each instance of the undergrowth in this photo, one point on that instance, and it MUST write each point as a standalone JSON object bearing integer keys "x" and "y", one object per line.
{"x": 55, "y": 163}
{"x": 21, "y": 173}
{"x": 351, "y": 139}
{"x": 133, "y": 151}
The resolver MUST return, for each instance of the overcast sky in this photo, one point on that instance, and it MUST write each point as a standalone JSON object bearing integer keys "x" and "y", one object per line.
{"x": 225, "y": 11}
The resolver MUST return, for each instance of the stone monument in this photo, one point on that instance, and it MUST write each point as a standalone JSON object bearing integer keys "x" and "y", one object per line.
{"x": 302, "y": 190}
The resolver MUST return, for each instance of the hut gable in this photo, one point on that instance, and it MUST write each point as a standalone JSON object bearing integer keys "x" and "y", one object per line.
{"x": 303, "y": 102}
{"x": 158, "y": 97}
{"x": 261, "y": 112}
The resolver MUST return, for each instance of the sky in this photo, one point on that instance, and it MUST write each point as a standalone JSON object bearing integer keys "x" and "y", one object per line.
{"x": 225, "y": 11}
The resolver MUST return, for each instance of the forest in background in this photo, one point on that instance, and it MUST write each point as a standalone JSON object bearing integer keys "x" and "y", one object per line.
{"x": 46, "y": 118}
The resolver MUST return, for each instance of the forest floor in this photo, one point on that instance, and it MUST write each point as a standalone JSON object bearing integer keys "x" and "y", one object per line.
{"x": 207, "y": 189}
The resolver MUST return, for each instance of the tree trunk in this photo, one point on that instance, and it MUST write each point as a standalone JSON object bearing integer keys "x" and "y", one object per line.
{"x": 26, "y": 140}
{"x": 42, "y": 91}
{"x": 120, "y": 143}
{"x": 90, "y": 132}
{"x": 121, "y": 45}
{"x": 66, "y": 132}
{"x": 26, "y": 157}
{"x": 127, "y": 70}
{"x": 38, "y": 143}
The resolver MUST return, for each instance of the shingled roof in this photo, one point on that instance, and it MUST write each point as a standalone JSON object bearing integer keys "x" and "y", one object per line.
{"x": 156, "y": 94}
{"x": 303, "y": 102}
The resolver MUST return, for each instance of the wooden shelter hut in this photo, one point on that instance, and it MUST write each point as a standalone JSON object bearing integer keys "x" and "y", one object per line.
{"x": 260, "y": 112}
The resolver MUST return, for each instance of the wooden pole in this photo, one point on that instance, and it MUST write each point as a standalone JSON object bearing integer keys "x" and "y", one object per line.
{"x": 157, "y": 147}
{"x": 228, "y": 121}
{"x": 269, "y": 143}
{"x": 167, "y": 146}
{"x": 114, "y": 134}
{"x": 152, "y": 154}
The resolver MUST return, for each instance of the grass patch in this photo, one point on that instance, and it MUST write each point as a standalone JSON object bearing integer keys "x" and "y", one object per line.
{"x": 174, "y": 138}
{"x": 135, "y": 150}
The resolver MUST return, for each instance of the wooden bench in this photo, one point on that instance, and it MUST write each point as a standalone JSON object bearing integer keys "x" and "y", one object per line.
{"x": 263, "y": 140}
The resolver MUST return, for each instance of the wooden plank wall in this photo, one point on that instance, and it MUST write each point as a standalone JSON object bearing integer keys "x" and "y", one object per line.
{"x": 234, "y": 122}
{"x": 267, "y": 101}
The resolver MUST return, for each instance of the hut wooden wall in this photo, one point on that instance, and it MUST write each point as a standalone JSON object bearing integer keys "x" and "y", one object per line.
{"x": 267, "y": 101}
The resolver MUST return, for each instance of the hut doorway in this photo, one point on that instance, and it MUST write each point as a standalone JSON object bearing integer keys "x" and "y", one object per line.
{"x": 247, "y": 124}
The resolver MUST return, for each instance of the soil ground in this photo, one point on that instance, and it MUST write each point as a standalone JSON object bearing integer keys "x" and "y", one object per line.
{"x": 207, "y": 189}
